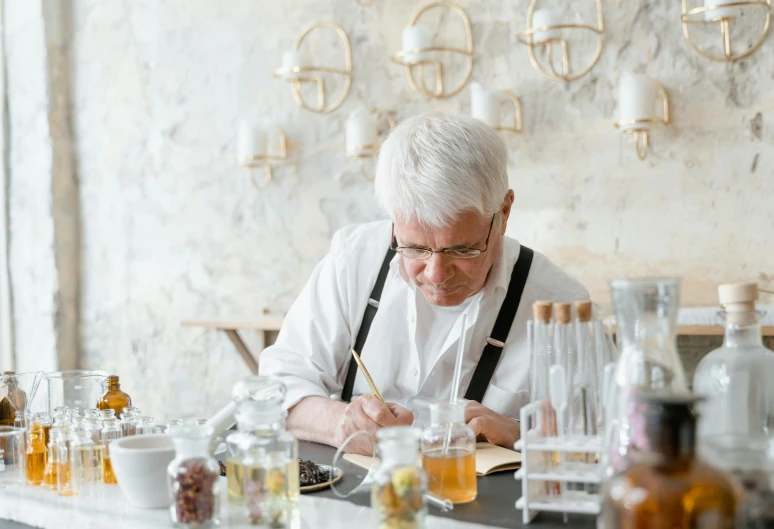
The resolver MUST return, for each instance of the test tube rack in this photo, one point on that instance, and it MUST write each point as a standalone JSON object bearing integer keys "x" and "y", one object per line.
{"x": 558, "y": 474}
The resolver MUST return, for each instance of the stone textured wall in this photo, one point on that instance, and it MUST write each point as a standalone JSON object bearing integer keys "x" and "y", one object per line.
{"x": 172, "y": 229}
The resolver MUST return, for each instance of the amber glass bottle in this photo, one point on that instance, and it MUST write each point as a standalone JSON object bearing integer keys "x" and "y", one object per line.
{"x": 114, "y": 399}
{"x": 36, "y": 455}
{"x": 667, "y": 486}
{"x": 14, "y": 401}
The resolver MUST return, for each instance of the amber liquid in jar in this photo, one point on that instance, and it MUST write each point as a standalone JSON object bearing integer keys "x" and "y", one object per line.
{"x": 36, "y": 456}
{"x": 63, "y": 479}
{"x": 451, "y": 476}
{"x": 234, "y": 475}
{"x": 49, "y": 476}
{"x": 109, "y": 475}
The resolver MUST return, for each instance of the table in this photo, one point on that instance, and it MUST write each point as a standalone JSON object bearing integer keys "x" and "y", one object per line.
{"x": 268, "y": 325}
{"x": 494, "y": 508}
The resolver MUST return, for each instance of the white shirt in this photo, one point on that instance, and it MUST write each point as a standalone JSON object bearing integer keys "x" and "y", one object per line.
{"x": 312, "y": 352}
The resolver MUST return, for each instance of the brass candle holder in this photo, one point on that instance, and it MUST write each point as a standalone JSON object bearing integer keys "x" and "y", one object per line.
{"x": 267, "y": 161}
{"x": 698, "y": 15}
{"x": 361, "y": 153}
{"x": 527, "y": 37}
{"x": 642, "y": 134}
{"x": 314, "y": 74}
{"x": 517, "y": 116}
{"x": 439, "y": 91}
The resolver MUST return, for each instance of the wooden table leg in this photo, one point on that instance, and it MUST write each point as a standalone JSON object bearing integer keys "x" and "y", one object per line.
{"x": 242, "y": 349}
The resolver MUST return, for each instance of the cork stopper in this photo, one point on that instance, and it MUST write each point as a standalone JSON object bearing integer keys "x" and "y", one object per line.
{"x": 738, "y": 297}
{"x": 563, "y": 313}
{"x": 583, "y": 310}
{"x": 541, "y": 311}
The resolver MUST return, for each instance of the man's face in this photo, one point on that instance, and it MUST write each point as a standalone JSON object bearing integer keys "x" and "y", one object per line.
{"x": 444, "y": 280}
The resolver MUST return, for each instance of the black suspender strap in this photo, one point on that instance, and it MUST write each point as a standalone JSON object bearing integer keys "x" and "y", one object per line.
{"x": 496, "y": 341}
{"x": 365, "y": 326}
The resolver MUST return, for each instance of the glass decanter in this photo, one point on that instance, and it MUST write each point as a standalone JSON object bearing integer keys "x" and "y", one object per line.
{"x": 400, "y": 483}
{"x": 449, "y": 453}
{"x": 646, "y": 316}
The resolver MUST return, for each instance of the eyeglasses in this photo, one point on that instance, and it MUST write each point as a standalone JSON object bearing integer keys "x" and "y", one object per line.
{"x": 425, "y": 253}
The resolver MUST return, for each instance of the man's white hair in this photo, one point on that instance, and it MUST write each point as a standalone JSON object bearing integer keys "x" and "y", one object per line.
{"x": 434, "y": 167}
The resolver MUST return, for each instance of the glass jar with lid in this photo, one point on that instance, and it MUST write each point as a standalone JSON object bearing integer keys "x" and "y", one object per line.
{"x": 399, "y": 484}
{"x": 449, "y": 453}
{"x": 193, "y": 475}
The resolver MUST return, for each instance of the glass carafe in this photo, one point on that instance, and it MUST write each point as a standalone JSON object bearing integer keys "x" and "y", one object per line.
{"x": 194, "y": 485}
{"x": 449, "y": 453}
{"x": 397, "y": 493}
{"x": 646, "y": 316}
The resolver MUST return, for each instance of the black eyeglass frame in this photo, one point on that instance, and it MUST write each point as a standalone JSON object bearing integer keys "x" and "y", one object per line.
{"x": 454, "y": 253}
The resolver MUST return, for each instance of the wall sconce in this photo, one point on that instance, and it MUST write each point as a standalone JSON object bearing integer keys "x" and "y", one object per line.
{"x": 637, "y": 95}
{"x": 485, "y": 105}
{"x": 362, "y": 138}
{"x": 297, "y": 69}
{"x": 545, "y": 30}
{"x": 253, "y": 152}
{"x": 723, "y": 12}
{"x": 418, "y": 52}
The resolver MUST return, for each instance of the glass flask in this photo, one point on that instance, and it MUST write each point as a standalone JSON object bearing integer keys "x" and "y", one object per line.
{"x": 399, "y": 486}
{"x": 194, "y": 486}
{"x": 12, "y": 467}
{"x": 114, "y": 399}
{"x": 36, "y": 454}
{"x": 449, "y": 453}
{"x": 646, "y": 315}
{"x": 665, "y": 485}
{"x": 111, "y": 430}
{"x": 129, "y": 417}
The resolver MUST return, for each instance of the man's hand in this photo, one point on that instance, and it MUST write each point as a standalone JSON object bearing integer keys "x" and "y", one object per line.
{"x": 368, "y": 414}
{"x": 490, "y": 426}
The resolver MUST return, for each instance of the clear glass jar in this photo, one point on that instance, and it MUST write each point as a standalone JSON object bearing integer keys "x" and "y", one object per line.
{"x": 449, "y": 453}
{"x": 646, "y": 317}
{"x": 145, "y": 425}
{"x": 111, "y": 430}
{"x": 194, "y": 486}
{"x": 50, "y": 474}
{"x": 62, "y": 440}
{"x": 129, "y": 420}
{"x": 36, "y": 455}
{"x": 399, "y": 484}
{"x": 86, "y": 463}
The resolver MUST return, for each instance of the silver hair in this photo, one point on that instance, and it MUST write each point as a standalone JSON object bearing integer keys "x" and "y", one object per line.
{"x": 434, "y": 167}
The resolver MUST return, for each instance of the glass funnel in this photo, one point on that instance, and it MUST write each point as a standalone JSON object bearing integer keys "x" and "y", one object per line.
{"x": 78, "y": 388}
{"x": 646, "y": 317}
{"x": 17, "y": 392}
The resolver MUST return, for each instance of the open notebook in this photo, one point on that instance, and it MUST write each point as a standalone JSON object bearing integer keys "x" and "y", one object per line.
{"x": 489, "y": 459}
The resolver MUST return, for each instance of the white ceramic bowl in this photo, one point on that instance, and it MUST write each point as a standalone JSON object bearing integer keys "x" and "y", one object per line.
{"x": 140, "y": 465}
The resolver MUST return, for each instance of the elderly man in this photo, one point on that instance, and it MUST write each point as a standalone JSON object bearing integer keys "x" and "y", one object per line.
{"x": 396, "y": 291}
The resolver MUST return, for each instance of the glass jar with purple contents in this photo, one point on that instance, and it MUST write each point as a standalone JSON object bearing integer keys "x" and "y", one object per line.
{"x": 194, "y": 488}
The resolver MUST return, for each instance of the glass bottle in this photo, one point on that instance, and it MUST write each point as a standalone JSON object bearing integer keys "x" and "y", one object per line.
{"x": 62, "y": 440}
{"x": 449, "y": 453}
{"x": 50, "y": 474}
{"x": 665, "y": 484}
{"x": 129, "y": 420}
{"x": 45, "y": 421}
{"x": 737, "y": 417}
{"x": 114, "y": 399}
{"x": 145, "y": 425}
{"x": 15, "y": 399}
{"x": 111, "y": 430}
{"x": 36, "y": 455}
{"x": 86, "y": 463}
{"x": 193, "y": 475}
{"x": 400, "y": 484}
{"x": 646, "y": 316}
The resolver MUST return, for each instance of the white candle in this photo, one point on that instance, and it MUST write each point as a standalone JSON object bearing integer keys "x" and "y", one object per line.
{"x": 416, "y": 37}
{"x": 722, "y": 12}
{"x": 485, "y": 105}
{"x": 294, "y": 59}
{"x": 360, "y": 131}
{"x": 543, "y": 18}
{"x": 636, "y": 100}
{"x": 250, "y": 142}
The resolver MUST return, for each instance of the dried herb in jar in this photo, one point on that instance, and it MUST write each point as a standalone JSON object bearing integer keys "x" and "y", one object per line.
{"x": 193, "y": 492}
{"x": 399, "y": 500}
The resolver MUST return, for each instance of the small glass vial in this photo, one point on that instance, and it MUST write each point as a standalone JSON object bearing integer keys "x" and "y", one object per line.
{"x": 114, "y": 399}
{"x": 21, "y": 420}
{"x": 666, "y": 485}
{"x": 107, "y": 414}
{"x": 49, "y": 476}
{"x": 129, "y": 420}
{"x": 449, "y": 453}
{"x": 86, "y": 463}
{"x": 45, "y": 421}
{"x": 36, "y": 455}
{"x": 400, "y": 484}
{"x": 62, "y": 441}
{"x": 145, "y": 425}
{"x": 194, "y": 486}
{"x": 111, "y": 430}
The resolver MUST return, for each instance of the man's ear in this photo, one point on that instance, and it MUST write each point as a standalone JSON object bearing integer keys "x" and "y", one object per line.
{"x": 507, "y": 204}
